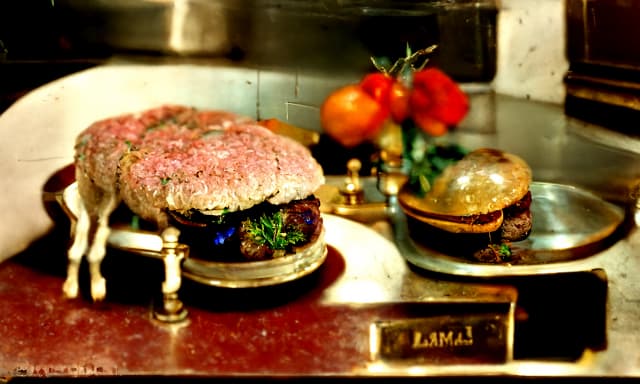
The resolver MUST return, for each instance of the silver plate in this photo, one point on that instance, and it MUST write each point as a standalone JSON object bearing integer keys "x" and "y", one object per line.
{"x": 569, "y": 225}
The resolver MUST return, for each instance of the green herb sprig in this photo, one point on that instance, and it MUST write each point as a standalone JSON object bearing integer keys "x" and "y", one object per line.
{"x": 270, "y": 230}
{"x": 428, "y": 159}
{"x": 502, "y": 251}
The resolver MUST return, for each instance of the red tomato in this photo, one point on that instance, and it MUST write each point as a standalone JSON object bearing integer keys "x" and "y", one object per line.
{"x": 350, "y": 115}
{"x": 399, "y": 102}
{"x": 437, "y": 96}
{"x": 378, "y": 85}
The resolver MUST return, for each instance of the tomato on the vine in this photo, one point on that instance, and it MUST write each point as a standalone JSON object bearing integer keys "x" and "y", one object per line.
{"x": 399, "y": 102}
{"x": 378, "y": 85}
{"x": 357, "y": 112}
{"x": 437, "y": 96}
{"x": 350, "y": 115}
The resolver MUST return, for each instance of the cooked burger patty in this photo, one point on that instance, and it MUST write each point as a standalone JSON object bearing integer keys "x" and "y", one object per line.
{"x": 517, "y": 224}
{"x": 262, "y": 232}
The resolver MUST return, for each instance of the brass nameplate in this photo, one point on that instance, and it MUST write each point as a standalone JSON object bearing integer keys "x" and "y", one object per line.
{"x": 470, "y": 338}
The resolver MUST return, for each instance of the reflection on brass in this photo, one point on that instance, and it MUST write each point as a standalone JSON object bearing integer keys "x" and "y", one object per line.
{"x": 173, "y": 253}
{"x": 391, "y": 144}
{"x": 390, "y": 182}
{"x": 366, "y": 200}
{"x": 354, "y": 197}
{"x": 461, "y": 335}
{"x": 304, "y": 136}
{"x": 364, "y": 213}
{"x": 172, "y": 309}
{"x": 352, "y": 190}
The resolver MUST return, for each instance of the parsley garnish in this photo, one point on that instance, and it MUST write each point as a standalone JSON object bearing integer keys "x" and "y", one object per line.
{"x": 269, "y": 230}
{"x": 165, "y": 180}
{"x": 502, "y": 251}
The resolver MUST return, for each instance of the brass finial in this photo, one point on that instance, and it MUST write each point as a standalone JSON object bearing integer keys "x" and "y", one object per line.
{"x": 352, "y": 190}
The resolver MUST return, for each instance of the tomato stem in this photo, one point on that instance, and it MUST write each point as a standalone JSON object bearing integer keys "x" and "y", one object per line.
{"x": 405, "y": 65}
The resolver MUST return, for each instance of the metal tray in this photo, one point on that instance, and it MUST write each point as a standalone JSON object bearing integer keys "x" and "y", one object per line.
{"x": 569, "y": 225}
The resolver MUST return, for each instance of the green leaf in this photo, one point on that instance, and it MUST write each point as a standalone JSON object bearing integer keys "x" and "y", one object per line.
{"x": 435, "y": 159}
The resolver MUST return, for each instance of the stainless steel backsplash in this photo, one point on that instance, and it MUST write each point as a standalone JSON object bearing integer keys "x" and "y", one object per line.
{"x": 327, "y": 35}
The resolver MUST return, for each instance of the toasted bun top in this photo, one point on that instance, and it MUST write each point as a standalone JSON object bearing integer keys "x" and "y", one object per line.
{"x": 485, "y": 180}
{"x": 229, "y": 168}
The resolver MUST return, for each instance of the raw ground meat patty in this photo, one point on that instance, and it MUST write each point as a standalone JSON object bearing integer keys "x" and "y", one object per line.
{"x": 98, "y": 148}
{"x": 212, "y": 173}
{"x": 228, "y": 168}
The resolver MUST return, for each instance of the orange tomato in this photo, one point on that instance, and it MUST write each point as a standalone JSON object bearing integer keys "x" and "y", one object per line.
{"x": 351, "y": 116}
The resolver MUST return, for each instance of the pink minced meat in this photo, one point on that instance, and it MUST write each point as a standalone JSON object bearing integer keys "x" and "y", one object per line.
{"x": 100, "y": 146}
{"x": 179, "y": 158}
{"x": 231, "y": 168}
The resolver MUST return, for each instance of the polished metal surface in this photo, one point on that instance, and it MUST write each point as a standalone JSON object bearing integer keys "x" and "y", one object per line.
{"x": 328, "y": 34}
{"x": 185, "y": 27}
{"x": 567, "y": 218}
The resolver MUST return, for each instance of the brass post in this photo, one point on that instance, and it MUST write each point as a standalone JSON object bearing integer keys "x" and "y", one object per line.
{"x": 172, "y": 309}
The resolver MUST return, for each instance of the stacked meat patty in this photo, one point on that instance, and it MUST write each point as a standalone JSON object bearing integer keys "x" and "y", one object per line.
{"x": 228, "y": 183}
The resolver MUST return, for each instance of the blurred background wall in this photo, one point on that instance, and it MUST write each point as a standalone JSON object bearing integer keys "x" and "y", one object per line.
{"x": 531, "y": 54}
